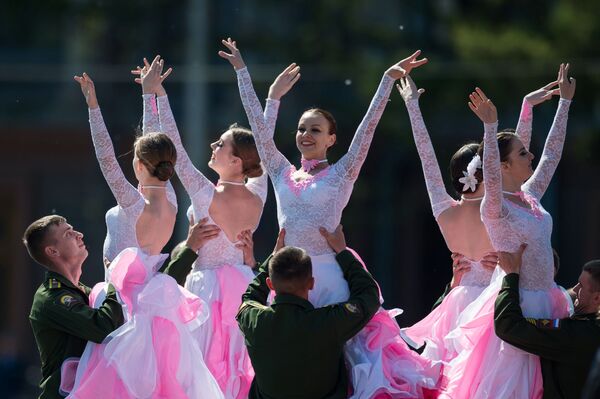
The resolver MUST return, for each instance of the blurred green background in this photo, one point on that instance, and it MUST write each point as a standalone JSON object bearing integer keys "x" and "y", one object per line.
{"x": 507, "y": 47}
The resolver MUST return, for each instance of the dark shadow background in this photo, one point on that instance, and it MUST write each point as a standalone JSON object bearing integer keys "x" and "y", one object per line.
{"x": 507, "y": 47}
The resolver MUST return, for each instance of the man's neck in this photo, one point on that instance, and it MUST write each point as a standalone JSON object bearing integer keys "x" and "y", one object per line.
{"x": 300, "y": 294}
{"x": 71, "y": 273}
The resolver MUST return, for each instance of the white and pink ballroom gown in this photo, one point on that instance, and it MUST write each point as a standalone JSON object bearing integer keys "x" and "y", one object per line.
{"x": 487, "y": 367}
{"x": 153, "y": 354}
{"x": 379, "y": 362}
{"x": 433, "y": 329}
{"x": 219, "y": 276}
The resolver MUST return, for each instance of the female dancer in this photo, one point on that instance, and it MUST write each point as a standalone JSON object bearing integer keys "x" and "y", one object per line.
{"x": 512, "y": 214}
{"x": 380, "y": 362}
{"x": 220, "y": 275}
{"x": 459, "y": 221}
{"x": 153, "y": 354}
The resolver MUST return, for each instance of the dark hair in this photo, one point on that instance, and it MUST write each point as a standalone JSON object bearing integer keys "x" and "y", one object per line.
{"x": 35, "y": 239}
{"x": 505, "y": 139}
{"x": 157, "y": 152}
{"x": 290, "y": 269}
{"x": 458, "y": 165}
{"x": 327, "y": 115}
{"x": 593, "y": 268}
{"x": 244, "y": 147}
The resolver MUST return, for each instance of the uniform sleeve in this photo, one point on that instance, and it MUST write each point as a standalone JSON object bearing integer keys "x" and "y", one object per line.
{"x": 262, "y": 124}
{"x": 539, "y": 181}
{"x": 438, "y": 196}
{"x": 557, "y": 340}
{"x": 255, "y": 298}
{"x": 349, "y": 317}
{"x": 66, "y": 312}
{"x": 125, "y": 194}
{"x": 192, "y": 179}
{"x": 180, "y": 266}
{"x": 492, "y": 204}
{"x": 349, "y": 165}
{"x": 525, "y": 123}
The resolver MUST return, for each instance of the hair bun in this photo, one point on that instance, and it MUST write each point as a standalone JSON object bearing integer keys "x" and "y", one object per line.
{"x": 164, "y": 170}
{"x": 254, "y": 171}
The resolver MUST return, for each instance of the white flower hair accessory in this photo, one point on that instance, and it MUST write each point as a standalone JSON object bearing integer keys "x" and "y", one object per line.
{"x": 469, "y": 180}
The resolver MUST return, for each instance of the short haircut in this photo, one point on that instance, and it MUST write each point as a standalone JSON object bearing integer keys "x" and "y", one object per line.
{"x": 593, "y": 268}
{"x": 35, "y": 237}
{"x": 290, "y": 269}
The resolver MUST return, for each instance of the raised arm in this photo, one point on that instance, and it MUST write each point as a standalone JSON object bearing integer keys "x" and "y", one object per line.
{"x": 125, "y": 194}
{"x": 491, "y": 206}
{"x": 539, "y": 181}
{"x": 150, "y": 122}
{"x": 439, "y": 198}
{"x": 526, "y": 116}
{"x": 349, "y": 165}
{"x": 192, "y": 179}
{"x": 262, "y": 125}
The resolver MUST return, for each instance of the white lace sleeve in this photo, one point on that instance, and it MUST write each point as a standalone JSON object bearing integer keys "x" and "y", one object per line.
{"x": 525, "y": 122}
{"x": 539, "y": 181}
{"x": 492, "y": 204}
{"x": 438, "y": 196}
{"x": 349, "y": 165}
{"x": 150, "y": 122}
{"x": 125, "y": 194}
{"x": 262, "y": 125}
{"x": 259, "y": 186}
{"x": 192, "y": 179}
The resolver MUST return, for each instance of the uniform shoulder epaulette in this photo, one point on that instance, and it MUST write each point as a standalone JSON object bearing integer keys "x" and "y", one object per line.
{"x": 54, "y": 283}
{"x": 545, "y": 323}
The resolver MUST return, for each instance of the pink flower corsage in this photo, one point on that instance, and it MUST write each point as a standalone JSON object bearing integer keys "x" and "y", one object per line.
{"x": 298, "y": 186}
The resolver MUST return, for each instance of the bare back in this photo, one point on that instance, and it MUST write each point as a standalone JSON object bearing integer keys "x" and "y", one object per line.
{"x": 463, "y": 230}
{"x": 155, "y": 225}
{"x": 234, "y": 209}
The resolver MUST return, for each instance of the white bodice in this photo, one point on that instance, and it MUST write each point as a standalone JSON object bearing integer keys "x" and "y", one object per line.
{"x": 121, "y": 219}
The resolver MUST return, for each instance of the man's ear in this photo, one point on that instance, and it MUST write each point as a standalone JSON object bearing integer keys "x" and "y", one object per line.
{"x": 51, "y": 252}
{"x": 311, "y": 283}
{"x": 270, "y": 284}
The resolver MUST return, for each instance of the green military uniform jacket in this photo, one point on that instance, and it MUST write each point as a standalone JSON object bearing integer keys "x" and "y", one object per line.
{"x": 63, "y": 322}
{"x": 566, "y": 347}
{"x": 297, "y": 350}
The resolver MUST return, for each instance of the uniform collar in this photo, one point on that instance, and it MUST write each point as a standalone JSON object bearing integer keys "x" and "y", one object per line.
{"x": 64, "y": 281}
{"x": 292, "y": 300}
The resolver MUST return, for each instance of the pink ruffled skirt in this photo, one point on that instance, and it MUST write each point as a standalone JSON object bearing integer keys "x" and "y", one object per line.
{"x": 434, "y": 328}
{"x": 220, "y": 339}
{"x": 153, "y": 354}
{"x": 488, "y": 367}
{"x": 380, "y": 363}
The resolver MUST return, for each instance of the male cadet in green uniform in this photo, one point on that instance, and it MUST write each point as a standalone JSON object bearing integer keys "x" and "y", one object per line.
{"x": 61, "y": 318}
{"x": 566, "y": 347}
{"x": 295, "y": 349}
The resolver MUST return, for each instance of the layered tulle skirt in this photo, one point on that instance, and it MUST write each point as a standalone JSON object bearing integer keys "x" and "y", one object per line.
{"x": 220, "y": 339}
{"x": 153, "y": 354}
{"x": 433, "y": 329}
{"x": 380, "y": 363}
{"x": 486, "y": 366}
